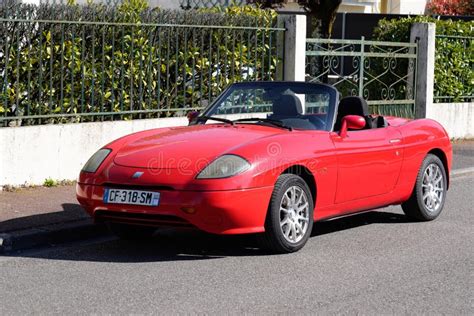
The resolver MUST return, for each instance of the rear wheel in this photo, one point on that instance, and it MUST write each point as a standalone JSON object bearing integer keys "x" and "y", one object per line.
{"x": 290, "y": 215}
{"x": 427, "y": 199}
{"x": 131, "y": 232}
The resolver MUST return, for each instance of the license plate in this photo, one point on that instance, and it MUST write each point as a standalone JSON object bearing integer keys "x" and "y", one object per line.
{"x": 134, "y": 197}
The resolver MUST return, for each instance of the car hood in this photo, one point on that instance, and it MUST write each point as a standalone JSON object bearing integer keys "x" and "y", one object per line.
{"x": 182, "y": 147}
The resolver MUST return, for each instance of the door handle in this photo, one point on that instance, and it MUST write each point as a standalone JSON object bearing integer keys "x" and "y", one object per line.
{"x": 395, "y": 140}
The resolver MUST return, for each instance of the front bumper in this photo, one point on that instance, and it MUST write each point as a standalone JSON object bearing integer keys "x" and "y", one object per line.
{"x": 219, "y": 212}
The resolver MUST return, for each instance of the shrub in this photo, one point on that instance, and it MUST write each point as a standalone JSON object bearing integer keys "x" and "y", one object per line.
{"x": 454, "y": 64}
{"x": 50, "y": 183}
{"x": 450, "y": 7}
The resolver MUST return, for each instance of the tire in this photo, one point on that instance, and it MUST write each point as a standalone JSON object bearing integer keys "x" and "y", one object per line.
{"x": 429, "y": 194}
{"x": 131, "y": 232}
{"x": 288, "y": 231}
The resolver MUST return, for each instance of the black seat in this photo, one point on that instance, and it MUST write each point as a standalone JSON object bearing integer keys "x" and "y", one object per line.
{"x": 376, "y": 121}
{"x": 288, "y": 105}
{"x": 381, "y": 122}
{"x": 352, "y": 106}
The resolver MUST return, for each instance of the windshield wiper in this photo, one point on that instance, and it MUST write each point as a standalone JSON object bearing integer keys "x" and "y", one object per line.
{"x": 214, "y": 118}
{"x": 276, "y": 123}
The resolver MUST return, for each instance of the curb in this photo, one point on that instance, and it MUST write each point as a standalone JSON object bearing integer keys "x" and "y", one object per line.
{"x": 457, "y": 173}
{"x": 50, "y": 235}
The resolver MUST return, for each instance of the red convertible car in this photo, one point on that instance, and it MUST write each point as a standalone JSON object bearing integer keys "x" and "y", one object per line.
{"x": 268, "y": 158}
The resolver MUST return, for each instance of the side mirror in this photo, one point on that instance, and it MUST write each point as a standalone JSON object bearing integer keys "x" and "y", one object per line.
{"x": 192, "y": 115}
{"x": 351, "y": 122}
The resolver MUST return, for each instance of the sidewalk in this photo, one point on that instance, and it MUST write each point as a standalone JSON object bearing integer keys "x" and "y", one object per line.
{"x": 463, "y": 154}
{"x": 42, "y": 216}
{"x": 39, "y": 216}
{"x": 40, "y": 206}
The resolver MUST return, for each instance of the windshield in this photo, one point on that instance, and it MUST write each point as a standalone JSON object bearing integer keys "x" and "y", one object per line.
{"x": 296, "y": 105}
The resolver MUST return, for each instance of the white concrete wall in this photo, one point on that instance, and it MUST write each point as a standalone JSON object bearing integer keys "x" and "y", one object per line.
{"x": 457, "y": 118}
{"x": 31, "y": 154}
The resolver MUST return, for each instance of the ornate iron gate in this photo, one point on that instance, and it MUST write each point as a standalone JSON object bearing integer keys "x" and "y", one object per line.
{"x": 384, "y": 73}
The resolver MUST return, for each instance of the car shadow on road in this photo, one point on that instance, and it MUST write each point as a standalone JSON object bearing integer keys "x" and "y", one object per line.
{"x": 172, "y": 245}
{"x": 71, "y": 212}
{"x": 358, "y": 220}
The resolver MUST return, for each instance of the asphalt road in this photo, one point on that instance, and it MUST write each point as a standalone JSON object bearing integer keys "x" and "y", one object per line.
{"x": 373, "y": 263}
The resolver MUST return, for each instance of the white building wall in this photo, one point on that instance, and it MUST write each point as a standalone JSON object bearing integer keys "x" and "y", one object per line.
{"x": 393, "y": 6}
{"x": 413, "y": 6}
{"x": 165, "y": 4}
{"x": 356, "y": 8}
{"x": 359, "y": 6}
{"x": 407, "y": 6}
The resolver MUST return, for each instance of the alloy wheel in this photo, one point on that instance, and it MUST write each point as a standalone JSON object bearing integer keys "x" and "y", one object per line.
{"x": 433, "y": 187}
{"x": 294, "y": 214}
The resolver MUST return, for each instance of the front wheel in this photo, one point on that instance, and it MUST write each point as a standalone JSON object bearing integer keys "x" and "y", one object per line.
{"x": 290, "y": 215}
{"x": 429, "y": 194}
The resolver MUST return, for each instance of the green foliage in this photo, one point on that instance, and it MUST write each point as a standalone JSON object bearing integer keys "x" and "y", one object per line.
{"x": 450, "y": 7}
{"x": 398, "y": 30}
{"x": 454, "y": 65}
{"x": 50, "y": 183}
{"x": 129, "y": 58}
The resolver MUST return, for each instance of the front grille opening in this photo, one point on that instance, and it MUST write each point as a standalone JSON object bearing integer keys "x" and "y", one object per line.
{"x": 155, "y": 220}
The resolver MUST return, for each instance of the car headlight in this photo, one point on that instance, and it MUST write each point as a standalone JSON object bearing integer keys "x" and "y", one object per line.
{"x": 224, "y": 167}
{"x": 94, "y": 162}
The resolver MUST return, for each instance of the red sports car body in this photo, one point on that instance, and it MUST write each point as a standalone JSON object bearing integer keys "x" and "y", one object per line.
{"x": 225, "y": 177}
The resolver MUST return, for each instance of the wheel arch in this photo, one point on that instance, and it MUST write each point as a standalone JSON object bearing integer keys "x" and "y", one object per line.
{"x": 444, "y": 159}
{"x": 306, "y": 175}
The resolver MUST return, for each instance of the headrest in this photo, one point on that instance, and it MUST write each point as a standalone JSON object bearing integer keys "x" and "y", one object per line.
{"x": 287, "y": 105}
{"x": 353, "y": 106}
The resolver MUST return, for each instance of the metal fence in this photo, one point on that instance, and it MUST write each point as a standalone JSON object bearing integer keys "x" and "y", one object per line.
{"x": 174, "y": 4}
{"x": 454, "y": 82}
{"x": 381, "y": 72}
{"x": 57, "y": 71}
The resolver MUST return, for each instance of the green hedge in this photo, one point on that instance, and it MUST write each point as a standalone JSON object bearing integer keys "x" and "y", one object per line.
{"x": 120, "y": 63}
{"x": 454, "y": 65}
